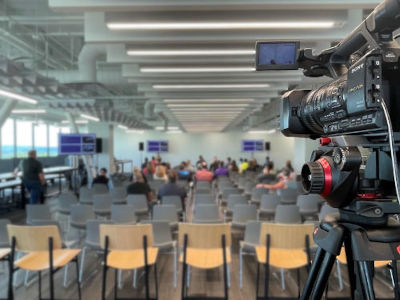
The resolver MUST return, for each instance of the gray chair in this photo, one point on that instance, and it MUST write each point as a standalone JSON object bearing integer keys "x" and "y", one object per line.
{"x": 288, "y": 195}
{"x": 139, "y": 202}
{"x": 102, "y": 205}
{"x": 268, "y": 205}
{"x": 166, "y": 213}
{"x": 123, "y": 214}
{"x": 308, "y": 206}
{"x": 228, "y": 191}
{"x": 203, "y": 185}
{"x": 80, "y": 214}
{"x": 287, "y": 214}
{"x": 248, "y": 188}
{"x": 92, "y": 241}
{"x": 4, "y": 241}
{"x": 99, "y": 188}
{"x": 256, "y": 195}
{"x": 247, "y": 246}
{"x": 203, "y": 199}
{"x": 243, "y": 213}
{"x": 85, "y": 195}
{"x": 206, "y": 213}
{"x": 231, "y": 202}
{"x": 64, "y": 203}
{"x": 173, "y": 200}
{"x": 202, "y": 191}
{"x": 118, "y": 195}
{"x": 37, "y": 212}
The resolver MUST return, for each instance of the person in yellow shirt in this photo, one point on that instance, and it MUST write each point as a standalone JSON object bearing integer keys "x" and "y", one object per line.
{"x": 243, "y": 166}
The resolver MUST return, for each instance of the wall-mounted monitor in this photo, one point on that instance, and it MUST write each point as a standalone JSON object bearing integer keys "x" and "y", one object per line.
{"x": 252, "y": 145}
{"x": 76, "y": 144}
{"x": 157, "y": 146}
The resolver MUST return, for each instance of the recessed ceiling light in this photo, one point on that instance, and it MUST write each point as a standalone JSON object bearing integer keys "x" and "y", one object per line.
{"x": 219, "y": 25}
{"x": 197, "y": 69}
{"x": 90, "y": 118}
{"x": 28, "y": 111}
{"x": 17, "y": 97}
{"x": 190, "y": 52}
{"x": 208, "y": 86}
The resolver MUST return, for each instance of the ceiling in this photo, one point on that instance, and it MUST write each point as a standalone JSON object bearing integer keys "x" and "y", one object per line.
{"x": 174, "y": 63}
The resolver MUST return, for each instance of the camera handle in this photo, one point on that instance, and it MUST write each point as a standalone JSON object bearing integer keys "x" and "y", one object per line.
{"x": 362, "y": 246}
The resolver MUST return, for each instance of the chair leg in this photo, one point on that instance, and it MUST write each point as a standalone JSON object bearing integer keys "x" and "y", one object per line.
{"x": 40, "y": 284}
{"x": 116, "y": 282}
{"x": 26, "y": 279}
{"x": 339, "y": 274}
{"x": 283, "y": 285}
{"x": 134, "y": 278}
{"x": 257, "y": 279}
{"x": 175, "y": 266}
{"x": 78, "y": 283}
{"x": 120, "y": 279}
{"x": 228, "y": 269}
{"x": 156, "y": 279}
{"x": 103, "y": 289}
{"x": 241, "y": 268}
{"x": 188, "y": 276}
{"x": 82, "y": 264}
{"x": 66, "y": 275}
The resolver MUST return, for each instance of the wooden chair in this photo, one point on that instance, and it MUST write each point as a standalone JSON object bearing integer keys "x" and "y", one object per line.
{"x": 205, "y": 246}
{"x": 43, "y": 246}
{"x": 285, "y": 246}
{"x": 128, "y": 247}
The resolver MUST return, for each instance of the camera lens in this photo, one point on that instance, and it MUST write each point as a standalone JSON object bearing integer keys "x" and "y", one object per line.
{"x": 313, "y": 179}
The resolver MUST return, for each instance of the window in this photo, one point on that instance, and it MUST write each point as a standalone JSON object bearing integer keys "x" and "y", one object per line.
{"x": 24, "y": 138}
{"x": 40, "y": 139}
{"x": 65, "y": 130}
{"x": 7, "y": 139}
{"x": 53, "y": 140}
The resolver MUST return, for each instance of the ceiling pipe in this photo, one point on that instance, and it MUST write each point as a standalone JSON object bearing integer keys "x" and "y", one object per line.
{"x": 87, "y": 58}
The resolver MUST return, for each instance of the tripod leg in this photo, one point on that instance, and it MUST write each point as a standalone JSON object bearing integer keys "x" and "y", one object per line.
{"x": 350, "y": 267}
{"x": 366, "y": 280}
{"x": 323, "y": 276}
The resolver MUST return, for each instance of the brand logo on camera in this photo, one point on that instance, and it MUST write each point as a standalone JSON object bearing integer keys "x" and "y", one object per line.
{"x": 358, "y": 68}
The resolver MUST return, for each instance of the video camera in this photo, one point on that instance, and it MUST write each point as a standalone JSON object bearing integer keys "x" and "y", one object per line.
{"x": 356, "y": 115}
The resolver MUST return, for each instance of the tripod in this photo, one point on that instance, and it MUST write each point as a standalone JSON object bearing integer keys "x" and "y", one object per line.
{"x": 363, "y": 245}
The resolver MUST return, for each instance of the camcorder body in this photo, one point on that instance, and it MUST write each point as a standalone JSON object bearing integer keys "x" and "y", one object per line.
{"x": 353, "y": 167}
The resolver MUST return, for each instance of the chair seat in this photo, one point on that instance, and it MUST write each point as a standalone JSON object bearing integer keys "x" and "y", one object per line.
{"x": 206, "y": 258}
{"x": 283, "y": 258}
{"x": 377, "y": 264}
{"x": 37, "y": 261}
{"x": 132, "y": 259}
{"x": 78, "y": 225}
{"x": 4, "y": 252}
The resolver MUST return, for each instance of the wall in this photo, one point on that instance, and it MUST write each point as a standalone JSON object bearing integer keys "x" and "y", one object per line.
{"x": 190, "y": 145}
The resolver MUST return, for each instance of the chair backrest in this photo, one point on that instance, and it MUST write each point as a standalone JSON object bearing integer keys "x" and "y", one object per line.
{"x": 139, "y": 201}
{"x": 126, "y": 237}
{"x": 37, "y": 212}
{"x": 123, "y": 214}
{"x": 288, "y": 195}
{"x": 248, "y": 187}
{"x": 85, "y": 195}
{"x": 34, "y": 238}
{"x": 242, "y": 213}
{"x": 203, "y": 185}
{"x": 235, "y": 200}
{"x": 82, "y": 213}
{"x": 93, "y": 231}
{"x": 100, "y": 188}
{"x": 4, "y": 241}
{"x": 118, "y": 192}
{"x": 229, "y": 191}
{"x": 165, "y": 212}
{"x": 252, "y": 232}
{"x": 307, "y": 202}
{"x": 66, "y": 199}
{"x": 204, "y": 199}
{"x": 102, "y": 201}
{"x": 204, "y": 236}
{"x": 172, "y": 200}
{"x": 288, "y": 214}
{"x": 202, "y": 191}
{"x": 286, "y": 236}
{"x": 161, "y": 232}
{"x": 257, "y": 193}
{"x": 206, "y": 212}
{"x": 269, "y": 201}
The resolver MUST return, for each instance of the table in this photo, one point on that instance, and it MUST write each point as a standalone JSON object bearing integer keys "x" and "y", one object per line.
{"x": 123, "y": 162}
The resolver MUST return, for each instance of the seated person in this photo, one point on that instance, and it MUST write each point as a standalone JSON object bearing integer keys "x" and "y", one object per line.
{"x": 161, "y": 173}
{"x": 171, "y": 188}
{"x": 244, "y": 166}
{"x": 203, "y": 174}
{"x": 268, "y": 174}
{"x": 102, "y": 178}
{"x": 221, "y": 170}
{"x": 284, "y": 178}
{"x": 183, "y": 173}
{"x": 139, "y": 187}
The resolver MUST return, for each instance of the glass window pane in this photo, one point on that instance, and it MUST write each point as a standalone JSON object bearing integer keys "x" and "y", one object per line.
{"x": 40, "y": 139}
{"x": 65, "y": 130}
{"x": 24, "y": 138}
{"x": 7, "y": 139}
{"x": 53, "y": 140}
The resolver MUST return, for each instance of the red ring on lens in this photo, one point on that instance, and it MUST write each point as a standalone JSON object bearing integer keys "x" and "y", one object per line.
{"x": 327, "y": 176}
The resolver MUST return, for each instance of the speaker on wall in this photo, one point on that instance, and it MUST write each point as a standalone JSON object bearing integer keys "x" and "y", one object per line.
{"x": 99, "y": 145}
{"x": 141, "y": 146}
{"x": 267, "y": 146}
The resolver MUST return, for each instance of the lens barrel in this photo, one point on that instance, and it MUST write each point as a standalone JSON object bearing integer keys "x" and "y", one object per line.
{"x": 313, "y": 177}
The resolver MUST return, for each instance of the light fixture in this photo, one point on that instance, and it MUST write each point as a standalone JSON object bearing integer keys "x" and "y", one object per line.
{"x": 135, "y": 131}
{"x": 28, "y": 111}
{"x": 91, "y": 118}
{"x": 17, "y": 97}
{"x": 208, "y": 105}
{"x": 169, "y": 128}
{"x": 197, "y": 69}
{"x": 208, "y": 100}
{"x": 262, "y": 131}
{"x": 123, "y": 127}
{"x": 76, "y": 122}
{"x": 173, "y": 131}
{"x": 190, "y": 52}
{"x": 233, "y": 25}
{"x": 209, "y": 86}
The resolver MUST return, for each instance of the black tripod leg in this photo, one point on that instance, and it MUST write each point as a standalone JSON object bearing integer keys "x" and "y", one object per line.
{"x": 366, "y": 280}
{"x": 350, "y": 267}
{"x": 323, "y": 276}
{"x": 315, "y": 267}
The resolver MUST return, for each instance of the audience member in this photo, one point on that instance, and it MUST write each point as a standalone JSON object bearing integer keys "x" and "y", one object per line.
{"x": 144, "y": 165}
{"x": 183, "y": 173}
{"x": 267, "y": 161}
{"x": 221, "y": 170}
{"x": 203, "y": 174}
{"x": 161, "y": 173}
{"x": 200, "y": 161}
{"x": 284, "y": 177}
{"x": 233, "y": 167}
{"x": 214, "y": 165}
{"x": 253, "y": 165}
{"x": 139, "y": 187}
{"x": 171, "y": 188}
{"x": 189, "y": 167}
{"x": 268, "y": 175}
{"x": 101, "y": 177}
{"x": 149, "y": 169}
{"x": 153, "y": 162}
{"x": 243, "y": 166}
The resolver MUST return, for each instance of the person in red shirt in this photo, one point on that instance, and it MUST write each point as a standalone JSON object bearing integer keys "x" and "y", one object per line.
{"x": 203, "y": 174}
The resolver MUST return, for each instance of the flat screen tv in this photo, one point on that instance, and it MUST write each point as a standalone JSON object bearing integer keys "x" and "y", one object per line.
{"x": 252, "y": 145}
{"x": 157, "y": 146}
{"x": 76, "y": 144}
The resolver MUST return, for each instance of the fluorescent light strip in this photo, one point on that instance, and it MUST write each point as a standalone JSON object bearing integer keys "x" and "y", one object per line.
{"x": 208, "y": 105}
{"x": 123, "y": 127}
{"x": 76, "y": 122}
{"x": 262, "y": 131}
{"x": 197, "y": 69}
{"x": 208, "y": 86}
{"x": 17, "y": 97}
{"x": 28, "y": 111}
{"x": 207, "y": 100}
{"x": 174, "y": 131}
{"x": 219, "y": 25}
{"x": 190, "y": 52}
{"x": 169, "y": 128}
{"x": 90, "y": 118}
